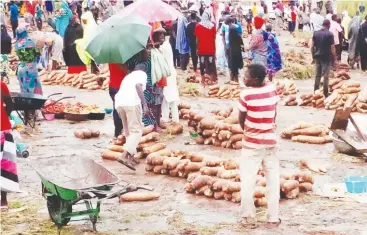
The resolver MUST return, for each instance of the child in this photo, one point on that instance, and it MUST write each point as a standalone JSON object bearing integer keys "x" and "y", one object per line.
{"x": 257, "y": 112}
{"x": 128, "y": 105}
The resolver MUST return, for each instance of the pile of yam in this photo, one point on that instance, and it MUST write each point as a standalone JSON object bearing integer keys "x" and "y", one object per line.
{"x": 318, "y": 99}
{"x": 232, "y": 91}
{"x": 184, "y": 111}
{"x": 291, "y": 101}
{"x": 361, "y": 104}
{"x": 221, "y": 180}
{"x": 174, "y": 163}
{"x": 193, "y": 79}
{"x": 307, "y": 133}
{"x": 295, "y": 66}
{"x": 86, "y": 134}
{"x": 220, "y": 129}
{"x": 148, "y": 144}
{"x": 285, "y": 87}
{"x": 84, "y": 80}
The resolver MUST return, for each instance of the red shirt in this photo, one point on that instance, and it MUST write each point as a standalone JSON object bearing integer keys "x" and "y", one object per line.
{"x": 260, "y": 106}
{"x": 293, "y": 16}
{"x": 5, "y": 123}
{"x": 117, "y": 74}
{"x": 206, "y": 40}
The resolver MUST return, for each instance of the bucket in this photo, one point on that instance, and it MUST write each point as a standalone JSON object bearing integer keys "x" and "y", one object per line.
{"x": 356, "y": 184}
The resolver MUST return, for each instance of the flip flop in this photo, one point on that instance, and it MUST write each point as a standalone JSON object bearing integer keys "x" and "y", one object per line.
{"x": 271, "y": 225}
{"x": 247, "y": 225}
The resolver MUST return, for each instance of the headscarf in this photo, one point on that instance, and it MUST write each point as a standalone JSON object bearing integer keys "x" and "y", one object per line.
{"x": 346, "y": 20}
{"x": 182, "y": 42}
{"x": 258, "y": 22}
{"x": 5, "y": 41}
{"x": 23, "y": 41}
{"x": 205, "y": 20}
{"x": 62, "y": 21}
{"x": 89, "y": 25}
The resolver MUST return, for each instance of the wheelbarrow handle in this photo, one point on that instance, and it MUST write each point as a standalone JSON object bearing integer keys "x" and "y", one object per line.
{"x": 54, "y": 94}
{"x": 63, "y": 98}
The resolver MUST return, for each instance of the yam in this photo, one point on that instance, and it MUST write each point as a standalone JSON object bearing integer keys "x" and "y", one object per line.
{"x": 343, "y": 73}
{"x": 223, "y": 113}
{"x": 153, "y": 136}
{"x": 189, "y": 188}
{"x": 225, "y": 93}
{"x": 218, "y": 195}
{"x": 154, "y": 148}
{"x": 292, "y": 103}
{"x": 196, "y": 157}
{"x": 158, "y": 160}
{"x": 208, "y": 133}
{"x": 332, "y": 82}
{"x": 201, "y": 190}
{"x": 261, "y": 201}
{"x": 209, "y": 141}
{"x": 170, "y": 163}
{"x": 221, "y": 91}
{"x": 351, "y": 90}
{"x": 184, "y": 106}
{"x": 236, "y": 138}
{"x": 139, "y": 196}
{"x": 235, "y": 129}
{"x": 149, "y": 167}
{"x": 141, "y": 146}
{"x": 200, "y": 181}
{"x": 310, "y": 139}
{"x": 191, "y": 176}
{"x": 351, "y": 99}
{"x": 193, "y": 166}
{"x": 231, "y": 187}
{"x": 208, "y": 123}
{"x": 306, "y": 96}
{"x": 230, "y": 165}
{"x": 162, "y": 152}
{"x": 198, "y": 118}
{"x": 79, "y": 134}
{"x": 139, "y": 155}
{"x": 231, "y": 120}
{"x": 95, "y": 133}
{"x": 182, "y": 163}
{"x": 213, "y": 92}
{"x": 111, "y": 155}
{"x": 213, "y": 162}
{"x": 261, "y": 182}
{"x": 208, "y": 192}
{"x": 305, "y": 187}
{"x": 185, "y": 111}
{"x": 212, "y": 171}
{"x": 289, "y": 185}
{"x": 224, "y": 144}
{"x": 116, "y": 148}
{"x": 87, "y": 133}
{"x": 199, "y": 140}
{"x": 259, "y": 192}
{"x": 228, "y": 174}
{"x": 312, "y": 165}
{"x": 236, "y": 197}
{"x": 292, "y": 194}
{"x": 173, "y": 173}
{"x": 224, "y": 135}
{"x": 312, "y": 131}
{"x": 228, "y": 196}
{"x": 122, "y": 138}
{"x": 147, "y": 130}
{"x": 237, "y": 145}
{"x": 217, "y": 143}
{"x": 157, "y": 169}
{"x": 174, "y": 128}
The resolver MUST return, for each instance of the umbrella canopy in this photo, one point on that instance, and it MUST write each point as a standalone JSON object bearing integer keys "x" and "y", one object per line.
{"x": 118, "y": 39}
{"x": 151, "y": 10}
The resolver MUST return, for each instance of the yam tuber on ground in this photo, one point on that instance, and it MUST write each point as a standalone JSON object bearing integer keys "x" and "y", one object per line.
{"x": 139, "y": 196}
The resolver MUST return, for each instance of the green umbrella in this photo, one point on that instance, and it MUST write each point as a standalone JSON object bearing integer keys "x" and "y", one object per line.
{"x": 118, "y": 39}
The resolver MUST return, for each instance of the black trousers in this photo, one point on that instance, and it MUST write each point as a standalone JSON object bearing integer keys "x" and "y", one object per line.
{"x": 176, "y": 54}
{"x": 194, "y": 56}
{"x": 184, "y": 59}
{"x": 116, "y": 118}
{"x": 322, "y": 69}
{"x": 14, "y": 26}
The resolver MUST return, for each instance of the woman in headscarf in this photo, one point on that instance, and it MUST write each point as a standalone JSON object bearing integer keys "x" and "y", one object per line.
{"x": 274, "y": 58}
{"x": 9, "y": 174}
{"x": 27, "y": 72}
{"x": 182, "y": 42}
{"x": 235, "y": 60}
{"x": 5, "y": 51}
{"x": 63, "y": 17}
{"x": 362, "y": 45}
{"x": 206, "y": 36}
{"x": 353, "y": 30}
{"x": 73, "y": 32}
{"x": 258, "y": 43}
{"x": 89, "y": 24}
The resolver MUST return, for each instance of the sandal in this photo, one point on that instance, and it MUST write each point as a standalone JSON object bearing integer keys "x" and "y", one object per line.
{"x": 272, "y": 225}
{"x": 245, "y": 223}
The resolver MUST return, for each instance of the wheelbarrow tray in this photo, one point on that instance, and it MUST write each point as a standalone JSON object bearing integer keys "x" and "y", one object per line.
{"x": 65, "y": 176}
{"x": 27, "y": 101}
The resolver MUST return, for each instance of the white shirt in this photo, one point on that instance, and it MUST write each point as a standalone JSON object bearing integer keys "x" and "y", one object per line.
{"x": 317, "y": 20}
{"x": 127, "y": 95}
{"x": 335, "y": 28}
{"x": 328, "y": 16}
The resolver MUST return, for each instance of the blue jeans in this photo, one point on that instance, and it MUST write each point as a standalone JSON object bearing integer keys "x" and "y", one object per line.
{"x": 116, "y": 118}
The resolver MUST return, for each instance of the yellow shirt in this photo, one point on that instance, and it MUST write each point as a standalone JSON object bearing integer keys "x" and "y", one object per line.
{"x": 254, "y": 10}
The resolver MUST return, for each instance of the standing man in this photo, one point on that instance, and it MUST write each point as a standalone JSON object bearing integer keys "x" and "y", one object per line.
{"x": 14, "y": 15}
{"x": 130, "y": 103}
{"x": 316, "y": 20}
{"x": 257, "y": 113}
{"x": 336, "y": 29}
{"x": 192, "y": 40}
{"x": 278, "y": 20}
{"x": 249, "y": 17}
{"x": 323, "y": 54}
{"x": 117, "y": 74}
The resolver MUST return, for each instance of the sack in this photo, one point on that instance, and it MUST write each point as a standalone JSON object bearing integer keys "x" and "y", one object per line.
{"x": 162, "y": 82}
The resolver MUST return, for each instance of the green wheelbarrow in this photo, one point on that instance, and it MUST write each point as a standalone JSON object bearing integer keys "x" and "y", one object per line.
{"x": 68, "y": 181}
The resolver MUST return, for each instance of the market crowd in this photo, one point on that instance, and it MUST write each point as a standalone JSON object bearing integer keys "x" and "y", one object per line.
{"x": 144, "y": 90}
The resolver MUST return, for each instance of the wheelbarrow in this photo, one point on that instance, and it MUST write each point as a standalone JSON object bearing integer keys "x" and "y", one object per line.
{"x": 65, "y": 185}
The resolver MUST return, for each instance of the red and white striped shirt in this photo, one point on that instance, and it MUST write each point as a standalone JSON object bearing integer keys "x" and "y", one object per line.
{"x": 260, "y": 105}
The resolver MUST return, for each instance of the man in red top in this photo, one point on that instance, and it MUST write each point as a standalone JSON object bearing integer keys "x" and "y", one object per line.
{"x": 257, "y": 112}
{"x": 117, "y": 74}
{"x": 206, "y": 33}
{"x": 292, "y": 22}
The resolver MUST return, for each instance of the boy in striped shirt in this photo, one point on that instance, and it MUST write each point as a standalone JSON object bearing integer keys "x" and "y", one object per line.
{"x": 257, "y": 112}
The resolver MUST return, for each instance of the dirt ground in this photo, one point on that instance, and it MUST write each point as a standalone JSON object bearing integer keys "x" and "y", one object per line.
{"x": 177, "y": 212}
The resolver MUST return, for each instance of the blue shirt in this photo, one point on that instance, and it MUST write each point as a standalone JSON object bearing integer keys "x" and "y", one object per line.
{"x": 225, "y": 30}
{"x": 239, "y": 28}
{"x": 38, "y": 12}
{"x": 14, "y": 12}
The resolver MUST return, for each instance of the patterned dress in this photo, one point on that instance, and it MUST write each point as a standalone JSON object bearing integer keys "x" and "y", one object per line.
{"x": 274, "y": 61}
{"x": 259, "y": 47}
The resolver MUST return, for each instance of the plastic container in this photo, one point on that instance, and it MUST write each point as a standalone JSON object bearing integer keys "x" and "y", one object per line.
{"x": 49, "y": 116}
{"x": 356, "y": 184}
{"x": 108, "y": 110}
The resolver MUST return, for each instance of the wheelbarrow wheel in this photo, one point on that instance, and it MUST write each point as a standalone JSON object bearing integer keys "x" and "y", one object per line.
{"x": 54, "y": 206}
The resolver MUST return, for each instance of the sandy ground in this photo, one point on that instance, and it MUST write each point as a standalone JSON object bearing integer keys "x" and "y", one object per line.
{"x": 177, "y": 212}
